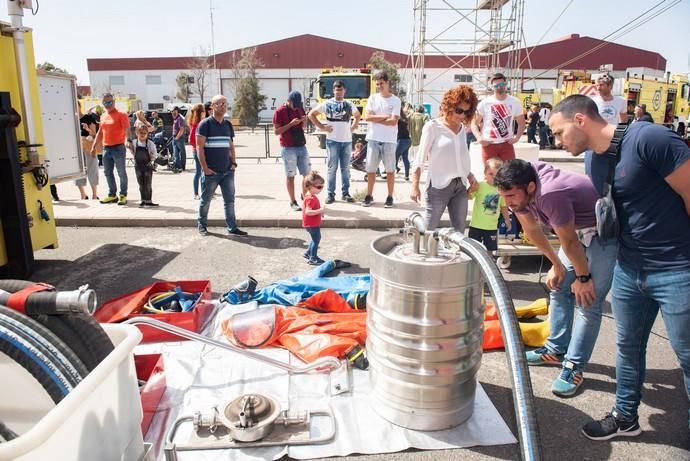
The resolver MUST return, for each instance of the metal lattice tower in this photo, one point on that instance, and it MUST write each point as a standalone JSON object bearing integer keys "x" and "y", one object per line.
{"x": 475, "y": 37}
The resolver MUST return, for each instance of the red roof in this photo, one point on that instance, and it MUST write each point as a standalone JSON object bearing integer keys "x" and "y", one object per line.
{"x": 312, "y": 52}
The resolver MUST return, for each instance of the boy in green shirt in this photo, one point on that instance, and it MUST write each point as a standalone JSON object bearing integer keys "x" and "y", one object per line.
{"x": 487, "y": 204}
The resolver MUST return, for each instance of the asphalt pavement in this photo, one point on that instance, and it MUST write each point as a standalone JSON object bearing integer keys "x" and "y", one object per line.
{"x": 261, "y": 198}
{"x": 115, "y": 260}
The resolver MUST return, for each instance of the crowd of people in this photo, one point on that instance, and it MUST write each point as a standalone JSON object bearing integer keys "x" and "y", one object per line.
{"x": 645, "y": 266}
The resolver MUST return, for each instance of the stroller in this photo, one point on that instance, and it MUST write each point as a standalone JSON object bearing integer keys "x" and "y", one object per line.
{"x": 359, "y": 161}
{"x": 164, "y": 150}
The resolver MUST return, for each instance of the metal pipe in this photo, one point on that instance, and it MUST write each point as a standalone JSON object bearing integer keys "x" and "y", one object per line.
{"x": 322, "y": 365}
{"x": 16, "y": 13}
{"x": 432, "y": 244}
{"x": 523, "y": 397}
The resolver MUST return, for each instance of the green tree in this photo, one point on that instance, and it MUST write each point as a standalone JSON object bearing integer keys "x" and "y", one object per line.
{"x": 248, "y": 100}
{"x": 184, "y": 86}
{"x": 50, "y": 67}
{"x": 378, "y": 62}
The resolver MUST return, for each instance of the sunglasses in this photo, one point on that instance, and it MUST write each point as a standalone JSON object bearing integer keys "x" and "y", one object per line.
{"x": 467, "y": 112}
{"x": 108, "y": 103}
{"x": 319, "y": 187}
{"x": 500, "y": 85}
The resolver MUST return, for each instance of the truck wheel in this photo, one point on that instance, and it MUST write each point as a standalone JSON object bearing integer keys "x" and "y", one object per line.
{"x": 503, "y": 262}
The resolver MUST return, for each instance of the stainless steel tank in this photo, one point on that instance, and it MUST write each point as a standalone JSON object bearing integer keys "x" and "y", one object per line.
{"x": 424, "y": 332}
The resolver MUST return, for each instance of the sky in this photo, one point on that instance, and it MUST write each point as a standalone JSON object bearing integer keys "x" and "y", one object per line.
{"x": 67, "y": 32}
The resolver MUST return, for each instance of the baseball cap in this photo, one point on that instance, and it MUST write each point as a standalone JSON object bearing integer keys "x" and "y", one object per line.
{"x": 295, "y": 97}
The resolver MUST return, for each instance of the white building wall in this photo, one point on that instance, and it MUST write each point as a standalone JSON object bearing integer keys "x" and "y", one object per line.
{"x": 277, "y": 83}
{"x": 159, "y": 88}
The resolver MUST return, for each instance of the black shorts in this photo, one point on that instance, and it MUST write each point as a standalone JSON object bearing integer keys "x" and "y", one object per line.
{"x": 488, "y": 237}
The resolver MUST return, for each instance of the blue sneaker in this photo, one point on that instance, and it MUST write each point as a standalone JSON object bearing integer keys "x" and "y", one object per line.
{"x": 306, "y": 256}
{"x": 569, "y": 381}
{"x": 543, "y": 356}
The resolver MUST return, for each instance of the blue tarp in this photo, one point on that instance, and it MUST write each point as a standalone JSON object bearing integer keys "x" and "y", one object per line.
{"x": 291, "y": 291}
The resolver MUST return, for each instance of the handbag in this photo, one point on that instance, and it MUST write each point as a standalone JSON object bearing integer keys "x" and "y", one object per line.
{"x": 607, "y": 223}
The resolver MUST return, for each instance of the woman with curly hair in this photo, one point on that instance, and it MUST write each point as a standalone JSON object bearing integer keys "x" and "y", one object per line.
{"x": 196, "y": 115}
{"x": 443, "y": 144}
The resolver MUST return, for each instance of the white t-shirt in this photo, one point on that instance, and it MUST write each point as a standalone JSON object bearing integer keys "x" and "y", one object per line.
{"x": 497, "y": 118}
{"x": 609, "y": 110}
{"x": 338, "y": 115}
{"x": 378, "y": 105}
{"x": 446, "y": 152}
{"x": 544, "y": 115}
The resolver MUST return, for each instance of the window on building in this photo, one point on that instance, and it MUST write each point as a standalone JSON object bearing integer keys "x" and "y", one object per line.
{"x": 117, "y": 80}
{"x": 463, "y": 78}
{"x": 155, "y": 106}
{"x": 153, "y": 79}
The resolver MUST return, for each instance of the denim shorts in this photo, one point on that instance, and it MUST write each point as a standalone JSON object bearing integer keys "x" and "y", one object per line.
{"x": 295, "y": 159}
{"x": 377, "y": 151}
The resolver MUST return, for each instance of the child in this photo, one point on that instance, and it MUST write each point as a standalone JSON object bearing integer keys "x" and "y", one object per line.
{"x": 487, "y": 203}
{"x": 312, "y": 211}
{"x": 359, "y": 157}
{"x": 144, "y": 154}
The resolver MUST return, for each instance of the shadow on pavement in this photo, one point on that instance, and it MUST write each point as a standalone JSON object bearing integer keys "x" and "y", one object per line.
{"x": 261, "y": 241}
{"x": 112, "y": 269}
{"x": 560, "y": 420}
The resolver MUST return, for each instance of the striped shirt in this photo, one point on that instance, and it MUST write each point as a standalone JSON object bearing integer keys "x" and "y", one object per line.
{"x": 218, "y": 138}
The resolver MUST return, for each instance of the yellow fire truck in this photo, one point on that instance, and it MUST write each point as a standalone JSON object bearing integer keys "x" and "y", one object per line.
{"x": 665, "y": 98}
{"x": 359, "y": 86}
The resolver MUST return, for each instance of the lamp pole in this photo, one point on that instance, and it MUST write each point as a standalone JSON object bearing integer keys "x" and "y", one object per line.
{"x": 213, "y": 47}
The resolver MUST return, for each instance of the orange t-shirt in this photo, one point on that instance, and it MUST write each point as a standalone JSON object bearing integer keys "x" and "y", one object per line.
{"x": 114, "y": 126}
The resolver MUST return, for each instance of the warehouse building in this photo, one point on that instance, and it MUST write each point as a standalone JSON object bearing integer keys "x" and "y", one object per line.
{"x": 292, "y": 63}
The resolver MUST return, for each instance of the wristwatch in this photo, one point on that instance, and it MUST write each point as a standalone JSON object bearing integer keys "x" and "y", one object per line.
{"x": 584, "y": 278}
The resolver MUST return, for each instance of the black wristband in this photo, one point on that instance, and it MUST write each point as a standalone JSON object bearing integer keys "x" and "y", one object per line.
{"x": 584, "y": 278}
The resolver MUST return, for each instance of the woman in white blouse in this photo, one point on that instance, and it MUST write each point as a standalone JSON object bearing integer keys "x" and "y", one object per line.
{"x": 443, "y": 145}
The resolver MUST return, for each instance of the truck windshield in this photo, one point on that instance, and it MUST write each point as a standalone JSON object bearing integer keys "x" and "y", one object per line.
{"x": 356, "y": 87}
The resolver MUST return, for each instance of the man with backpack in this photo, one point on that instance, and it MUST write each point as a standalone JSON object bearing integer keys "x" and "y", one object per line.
{"x": 180, "y": 133}
{"x": 651, "y": 192}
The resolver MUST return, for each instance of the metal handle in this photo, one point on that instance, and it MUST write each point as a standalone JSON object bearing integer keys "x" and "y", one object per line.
{"x": 322, "y": 365}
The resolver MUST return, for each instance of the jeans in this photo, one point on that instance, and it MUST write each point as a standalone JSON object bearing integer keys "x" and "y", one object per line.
{"x": 295, "y": 159}
{"x": 531, "y": 134}
{"x": 453, "y": 196}
{"x": 144, "y": 173}
{"x": 402, "y": 151}
{"x": 543, "y": 137}
{"x": 179, "y": 154}
{"x": 575, "y": 335}
{"x": 114, "y": 158}
{"x": 637, "y": 298}
{"x": 338, "y": 155}
{"x": 226, "y": 181}
{"x": 313, "y": 248}
{"x": 377, "y": 152}
{"x": 197, "y": 173}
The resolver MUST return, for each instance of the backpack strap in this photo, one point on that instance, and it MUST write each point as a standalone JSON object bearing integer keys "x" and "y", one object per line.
{"x": 614, "y": 150}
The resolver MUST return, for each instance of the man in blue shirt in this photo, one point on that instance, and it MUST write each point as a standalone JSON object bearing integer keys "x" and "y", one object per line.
{"x": 651, "y": 191}
{"x": 216, "y": 153}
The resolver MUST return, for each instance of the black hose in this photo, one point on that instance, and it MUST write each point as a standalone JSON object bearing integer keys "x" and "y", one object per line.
{"x": 41, "y": 353}
{"x": 61, "y": 327}
{"x": 6, "y": 433}
{"x": 79, "y": 331}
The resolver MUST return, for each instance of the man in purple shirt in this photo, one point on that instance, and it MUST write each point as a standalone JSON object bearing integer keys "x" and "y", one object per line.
{"x": 581, "y": 272}
{"x": 178, "y": 132}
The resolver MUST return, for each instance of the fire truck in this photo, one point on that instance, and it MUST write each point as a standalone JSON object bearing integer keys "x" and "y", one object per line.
{"x": 665, "y": 97}
{"x": 359, "y": 86}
